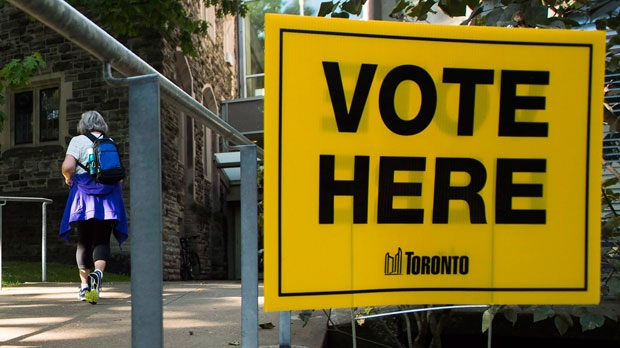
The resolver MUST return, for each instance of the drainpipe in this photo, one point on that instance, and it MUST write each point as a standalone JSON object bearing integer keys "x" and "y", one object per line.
{"x": 70, "y": 23}
{"x": 241, "y": 64}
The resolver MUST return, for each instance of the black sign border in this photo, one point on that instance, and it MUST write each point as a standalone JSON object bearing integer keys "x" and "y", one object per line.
{"x": 281, "y": 293}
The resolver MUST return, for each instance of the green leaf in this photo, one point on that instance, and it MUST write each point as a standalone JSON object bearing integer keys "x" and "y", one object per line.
{"x": 168, "y": 18}
{"x": 17, "y": 72}
{"x": 535, "y": 15}
{"x": 613, "y": 180}
{"x": 579, "y": 310}
{"x": 474, "y": 13}
{"x": 234, "y": 343}
{"x": 614, "y": 286}
{"x": 608, "y": 313}
{"x": 508, "y": 15}
{"x": 487, "y": 319}
{"x": 568, "y": 22}
{"x": 472, "y": 4}
{"x": 426, "y": 6}
{"x": 402, "y": 4}
{"x": 614, "y": 263}
{"x": 511, "y": 315}
{"x": 590, "y": 321}
{"x": 613, "y": 23}
{"x": 601, "y": 24}
{"x": 493, "y": 17}
{"x": 353, "y": 6}
{"x": 563, "y": 321}
{"x": 326, "y": 8}
{"x": 453, "y": 8}
{"x": 420, "y": 11}
{"x": 306, "y": 315}
{"x": 340, "y": 15}
{"x": 613, "y": 63}
{"x": 542, "y": 313}
{"x": 603, "y": 8}
{"x": 555, "y": 24}
{"x": 266, "y": 325}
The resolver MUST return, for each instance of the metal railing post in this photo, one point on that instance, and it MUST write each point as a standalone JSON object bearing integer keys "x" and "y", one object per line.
{"x": 146, "y": 212}
{"x": 1, "y": 205}
{"x": 284, "y": 333}
{"x": 45, "y": 201}
{"x": 43, "y": 242}
{"x": 249, "y": 247}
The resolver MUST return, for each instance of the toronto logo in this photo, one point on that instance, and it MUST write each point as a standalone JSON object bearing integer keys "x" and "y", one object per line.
{"x": 424, "y": 264}
{"x": 394, "y": 264}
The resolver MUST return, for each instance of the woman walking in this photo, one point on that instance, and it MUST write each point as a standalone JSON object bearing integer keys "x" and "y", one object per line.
{"x": 96, "y": 210}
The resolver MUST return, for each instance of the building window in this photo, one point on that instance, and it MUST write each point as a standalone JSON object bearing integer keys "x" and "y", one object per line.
{"x": 36, "y": 114}
{"x": 210, "y": 142}
{"x": 253, "y": 36}
{"x": 207, "y": 14}
{"x": 253, "y": 60}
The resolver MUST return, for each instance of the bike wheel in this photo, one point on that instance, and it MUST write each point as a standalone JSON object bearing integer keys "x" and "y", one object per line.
{"x": 194, "y": 270}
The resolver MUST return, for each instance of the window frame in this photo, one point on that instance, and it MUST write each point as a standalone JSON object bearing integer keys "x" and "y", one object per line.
{"x": 38, "y": 83}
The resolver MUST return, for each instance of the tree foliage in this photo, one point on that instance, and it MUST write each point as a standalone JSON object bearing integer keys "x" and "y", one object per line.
{"x": 228, "y": 7}
{"x": 131, "y": 18}
{"x": 17, "y": 73}
{"x": 598, "y": 14}
{"x": 341, "y": 8}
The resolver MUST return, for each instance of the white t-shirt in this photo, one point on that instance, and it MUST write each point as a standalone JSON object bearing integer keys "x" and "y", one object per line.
{"x": 78, "y": 147}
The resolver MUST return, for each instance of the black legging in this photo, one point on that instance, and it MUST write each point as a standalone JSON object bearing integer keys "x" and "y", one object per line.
{"x": 93, "y": 242}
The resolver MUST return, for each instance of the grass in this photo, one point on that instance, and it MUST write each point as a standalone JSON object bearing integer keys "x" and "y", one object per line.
{"x": 15, "y": 273}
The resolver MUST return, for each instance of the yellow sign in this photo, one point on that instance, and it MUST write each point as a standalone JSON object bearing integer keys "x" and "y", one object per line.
{"x": 419, "y": 164}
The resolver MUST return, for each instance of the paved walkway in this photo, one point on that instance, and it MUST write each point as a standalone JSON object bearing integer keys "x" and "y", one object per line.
{"x": 196, "y": 314}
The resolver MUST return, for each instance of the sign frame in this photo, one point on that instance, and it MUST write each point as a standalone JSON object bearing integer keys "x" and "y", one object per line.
{"x": 318, "y": 292}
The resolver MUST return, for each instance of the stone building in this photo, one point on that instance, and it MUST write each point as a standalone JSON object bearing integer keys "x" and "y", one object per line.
{"x": 43, "y": 117}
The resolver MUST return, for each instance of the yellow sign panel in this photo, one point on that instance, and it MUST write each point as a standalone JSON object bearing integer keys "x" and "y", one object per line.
{"x": 417, "y": 164}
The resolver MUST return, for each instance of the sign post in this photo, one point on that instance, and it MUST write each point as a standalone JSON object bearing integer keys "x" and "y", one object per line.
{"x": 417, "y": 164}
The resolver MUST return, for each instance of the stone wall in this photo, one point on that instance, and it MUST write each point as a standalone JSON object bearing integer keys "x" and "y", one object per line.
{"x": 186, "y": 214}
{"x": 35, "y": 171}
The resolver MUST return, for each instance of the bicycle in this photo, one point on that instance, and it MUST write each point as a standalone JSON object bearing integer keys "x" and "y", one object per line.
{"x": 190, "y": 262}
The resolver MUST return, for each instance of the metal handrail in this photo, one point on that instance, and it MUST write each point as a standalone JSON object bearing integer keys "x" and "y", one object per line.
{"x": 74, "y": 26}
{"x": 71, "y": 24}
{"x": 44, "y": 201}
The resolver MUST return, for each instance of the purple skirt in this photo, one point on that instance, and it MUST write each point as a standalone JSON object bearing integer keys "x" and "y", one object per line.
{"x": 91, "y": 200}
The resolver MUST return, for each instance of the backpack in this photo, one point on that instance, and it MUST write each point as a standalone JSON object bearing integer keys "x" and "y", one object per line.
{"x": 107, "y": 165}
